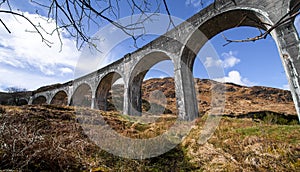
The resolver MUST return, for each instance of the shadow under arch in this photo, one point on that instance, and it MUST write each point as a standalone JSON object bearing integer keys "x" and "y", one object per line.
{"x": 107, "y": 97}
{"x": 22, "y": 102}
{"x": 39, "y": 100}
{"x": 60, "y": 98}
{"x": 136, "y": 80}
{"x": 82, "y": 96}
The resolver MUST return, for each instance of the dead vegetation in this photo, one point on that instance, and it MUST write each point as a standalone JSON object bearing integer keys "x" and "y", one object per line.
{"x": 245, "y": 145}
{"x": 42, "y": 138}
{"x": 51, "y": 138}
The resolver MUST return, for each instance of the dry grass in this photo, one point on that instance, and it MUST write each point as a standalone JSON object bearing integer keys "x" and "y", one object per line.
{"x": 245, "y": 145}
{"x": 51, "y": 138}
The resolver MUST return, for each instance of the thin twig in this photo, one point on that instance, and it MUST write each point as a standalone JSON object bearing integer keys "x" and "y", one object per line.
{"x": 5, "y": 26}
{"x": 169, "y": 15}
{"x": 264, "y": 35}
{"x": 28, "y": 20}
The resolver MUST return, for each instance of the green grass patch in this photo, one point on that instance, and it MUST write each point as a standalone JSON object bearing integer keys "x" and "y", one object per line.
{"x": 284, "y": 133}
{"x": 250, "y": 131}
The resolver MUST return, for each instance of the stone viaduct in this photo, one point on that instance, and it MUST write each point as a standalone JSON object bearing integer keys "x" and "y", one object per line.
{"x": 181, "y": 46}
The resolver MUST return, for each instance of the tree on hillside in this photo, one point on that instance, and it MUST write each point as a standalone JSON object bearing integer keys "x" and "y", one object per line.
{"x": 15, "y": 90}
{"x": 76, "y": 17}
{"x": 16, "y": 94}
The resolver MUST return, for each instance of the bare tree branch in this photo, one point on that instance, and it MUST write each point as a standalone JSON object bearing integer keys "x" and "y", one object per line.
{"x": 5, "y": 26}
{"x": 78, "y": 17}
{"x": 48, "y": 43}
{"x": 169, "y": 14}
{"x": 263, "y": 35}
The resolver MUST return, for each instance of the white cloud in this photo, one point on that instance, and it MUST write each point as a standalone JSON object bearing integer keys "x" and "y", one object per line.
{"x": 26, "y": 61}
{"x": 66, "y": 70}
{"x": 212, "y": 62}
{"x": 195, "y": 3}
{"x": 30, "y": 81}
{"x": 236, "y": 78}
{"x": 229, "y": 61}
{"x": 198, "y": 3}
{"x": 286, "y": 87}
{"x": 23, "y": 49}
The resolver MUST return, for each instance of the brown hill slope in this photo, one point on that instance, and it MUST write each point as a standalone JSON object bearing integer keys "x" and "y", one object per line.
{"x": 238, "y": 99}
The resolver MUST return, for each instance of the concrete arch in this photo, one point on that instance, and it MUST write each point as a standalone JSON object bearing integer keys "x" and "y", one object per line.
{"x": 82, "y": 96}
{"x": 284, "y": 37}
{"x": 210, "y": 26}
{"x": 137, "y": 75}
{"x": 39, "y": 100}
{"x": 60, "y": 98}
{"x": 105, "y": 100}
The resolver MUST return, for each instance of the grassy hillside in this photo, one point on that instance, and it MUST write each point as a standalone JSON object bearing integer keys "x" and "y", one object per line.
{"x": 51, "y": 138}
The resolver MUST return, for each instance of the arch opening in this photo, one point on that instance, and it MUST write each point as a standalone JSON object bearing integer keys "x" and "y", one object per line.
{"x": 151, "y": 86}
{"x": 158, "y": 89}
{"x": 39, "y": 100}
{"x": 22, "y": 102}
{"x": 240, "y": 66}
{"x": 216, "y": 25}
{"x": 253, "y": 80}
{"x": 110, "y": 93}
{"x": 82, "y": 96}
{"x": 60, "y": 98}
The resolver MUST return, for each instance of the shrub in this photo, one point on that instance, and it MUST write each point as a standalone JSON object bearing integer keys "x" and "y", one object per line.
{"x": 2, "y": 110}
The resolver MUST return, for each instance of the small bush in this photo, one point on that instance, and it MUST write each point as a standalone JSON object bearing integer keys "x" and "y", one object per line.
{"x": 270, "y": 118}
{"x": 2, "y": 110}
{"x": 275, "y": 118}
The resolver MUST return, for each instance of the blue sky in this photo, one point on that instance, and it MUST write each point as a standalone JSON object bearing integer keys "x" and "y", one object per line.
{"x": 26, "y": 62}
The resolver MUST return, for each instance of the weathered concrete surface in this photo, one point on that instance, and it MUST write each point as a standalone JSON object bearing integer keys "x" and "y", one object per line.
{"x": 181, "y": 46}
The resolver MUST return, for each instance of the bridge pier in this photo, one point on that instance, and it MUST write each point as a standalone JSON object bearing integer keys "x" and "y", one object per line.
{"x": 126, "y": 101}
{"x": 135, "y": 95}
{"x": 289, "y": 47}
{"x": 30, "y": 100}
{"x": 93, "y": 102}
{"x": 185, "y": 93}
